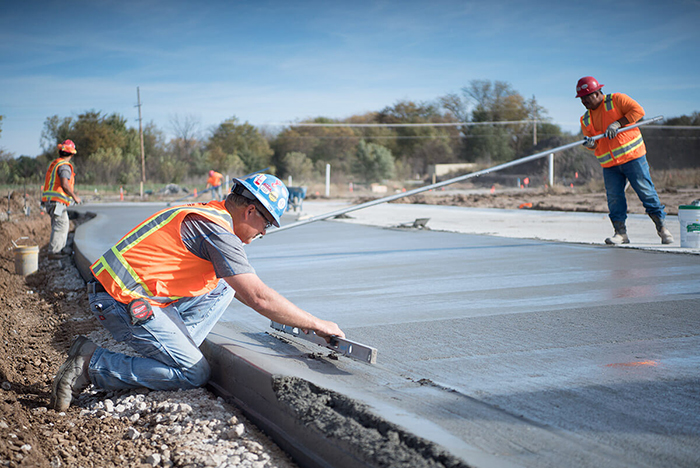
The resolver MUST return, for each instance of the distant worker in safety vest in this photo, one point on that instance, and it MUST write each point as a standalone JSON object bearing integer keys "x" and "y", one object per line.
{"x": 57, "y": 194}
{"x": 214, "y": 181}
{"x": 165, "y": 284}
{"x": 622, "y": 155}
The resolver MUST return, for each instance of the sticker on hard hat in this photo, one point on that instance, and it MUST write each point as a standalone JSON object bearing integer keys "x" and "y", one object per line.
{"x": 273, "y": 196}
{"x": 281, "y": 204}
{"x": 265, "y": 188}
{"x": 259, "y": 179}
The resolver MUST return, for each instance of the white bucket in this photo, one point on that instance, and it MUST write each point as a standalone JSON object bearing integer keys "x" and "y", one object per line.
{"x": 26, "y": 259}
{"x": 689, "y": 218}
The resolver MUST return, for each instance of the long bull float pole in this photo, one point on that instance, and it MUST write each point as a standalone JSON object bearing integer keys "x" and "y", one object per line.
{"x": 425, "y": 188}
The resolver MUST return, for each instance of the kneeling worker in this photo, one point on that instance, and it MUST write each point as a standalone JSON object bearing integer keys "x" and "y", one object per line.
{"x": 164, "y": 285}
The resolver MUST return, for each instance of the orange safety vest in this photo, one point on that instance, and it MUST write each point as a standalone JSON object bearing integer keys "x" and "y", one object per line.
{"x": 52, "y": 191}
{"x": 215, "y": 180}
{"x": 153, "y": 263}
{"x": 625, "y": 147}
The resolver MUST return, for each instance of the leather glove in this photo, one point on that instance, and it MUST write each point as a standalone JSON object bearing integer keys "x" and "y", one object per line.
{"x": 589, "y": 142}
{"x": 611, "y": 132}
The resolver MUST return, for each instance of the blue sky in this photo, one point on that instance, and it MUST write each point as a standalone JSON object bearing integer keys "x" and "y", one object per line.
{"x": 270, "y": 62}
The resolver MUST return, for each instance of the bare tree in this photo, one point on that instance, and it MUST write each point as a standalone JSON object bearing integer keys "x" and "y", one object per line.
{"x": 186, "y": 129}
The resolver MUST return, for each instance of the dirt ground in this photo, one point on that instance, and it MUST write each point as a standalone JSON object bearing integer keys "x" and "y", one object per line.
{"x": 553, "y": 199}
{"x": 41, "y": 313}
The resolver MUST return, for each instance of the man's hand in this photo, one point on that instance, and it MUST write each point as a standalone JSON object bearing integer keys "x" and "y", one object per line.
{"x": 611, "y": 132}
{"x": 326, "y": 329}
{"x": 589, "y": 142}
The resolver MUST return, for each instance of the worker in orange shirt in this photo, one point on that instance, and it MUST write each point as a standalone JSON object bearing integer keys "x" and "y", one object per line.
{"x": 622, "y": 156}
{"x": 214, "y": 181}
{"x": 57, "y": 194}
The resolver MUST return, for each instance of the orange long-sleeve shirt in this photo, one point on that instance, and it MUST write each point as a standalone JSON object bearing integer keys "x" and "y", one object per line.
{"x": 626, "y": 105}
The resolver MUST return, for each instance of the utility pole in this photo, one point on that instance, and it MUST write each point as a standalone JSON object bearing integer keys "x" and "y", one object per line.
{"x": 534, "y": 121}
{"x": 143, "y": 156}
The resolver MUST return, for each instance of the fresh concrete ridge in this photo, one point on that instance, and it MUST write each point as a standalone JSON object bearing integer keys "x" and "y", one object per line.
{"x": 506, "y": 349}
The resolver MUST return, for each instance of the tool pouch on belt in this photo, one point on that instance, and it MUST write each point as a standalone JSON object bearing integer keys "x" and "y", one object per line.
{"x": 140, "y": 311}
{"x": 54, "y": 208}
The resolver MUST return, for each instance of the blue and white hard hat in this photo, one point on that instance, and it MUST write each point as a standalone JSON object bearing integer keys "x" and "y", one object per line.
{"x": 268, "y": 190}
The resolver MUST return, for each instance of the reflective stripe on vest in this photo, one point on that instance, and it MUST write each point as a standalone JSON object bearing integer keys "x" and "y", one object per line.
{"x": 609, "y": 105}
{"x": 52, "y": 184}
{"x": 119, "y": 269}
{"x": 621, "y": 150}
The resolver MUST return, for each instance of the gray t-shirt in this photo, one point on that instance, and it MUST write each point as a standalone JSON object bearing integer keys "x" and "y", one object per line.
{"x": 211, "y": 242}
{"x": 64, "y": 171}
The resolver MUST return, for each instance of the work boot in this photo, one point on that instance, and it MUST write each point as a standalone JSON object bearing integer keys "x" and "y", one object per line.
{"x": 72, "y": 377}
{"x": 665, "y": 235}
{"x": 662, "y": 230}
{"x": 620, "y": 236}
{"x": 617, "y": 239}
{"x": 58, "y": 256}
{"x": 65, "y": 252}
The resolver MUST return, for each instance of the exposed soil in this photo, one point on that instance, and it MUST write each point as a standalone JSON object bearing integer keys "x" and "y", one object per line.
{"x": 556, "y": 199}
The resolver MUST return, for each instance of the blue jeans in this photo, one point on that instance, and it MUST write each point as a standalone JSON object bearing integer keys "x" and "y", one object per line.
{"x": 637, "y": 172}
{"x": 168, "y": 344}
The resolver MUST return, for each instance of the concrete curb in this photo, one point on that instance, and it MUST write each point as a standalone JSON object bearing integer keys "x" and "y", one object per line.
{"x": 251, "y": 389}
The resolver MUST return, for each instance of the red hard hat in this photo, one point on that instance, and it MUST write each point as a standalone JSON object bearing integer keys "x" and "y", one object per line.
{"x": 67, "y": 146}
{"x": 586, "y": 86}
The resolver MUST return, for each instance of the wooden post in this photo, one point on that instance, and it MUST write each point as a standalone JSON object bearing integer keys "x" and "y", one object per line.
{"x": 143, "y": 156}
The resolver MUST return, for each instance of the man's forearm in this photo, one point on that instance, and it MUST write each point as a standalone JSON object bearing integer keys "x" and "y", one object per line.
{"x": 251, "y": 291}
{"x": 67, "y": 188}
{"x": 276, "y": 307}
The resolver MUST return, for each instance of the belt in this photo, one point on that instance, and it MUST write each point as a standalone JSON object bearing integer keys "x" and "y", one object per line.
{"x": 93, "y": 287}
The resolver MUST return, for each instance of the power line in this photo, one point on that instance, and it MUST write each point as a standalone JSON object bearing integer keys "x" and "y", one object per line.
{"x": 436, "y": 124}
{"x": 411, "y": 137}
{"x": 452, "y": 124}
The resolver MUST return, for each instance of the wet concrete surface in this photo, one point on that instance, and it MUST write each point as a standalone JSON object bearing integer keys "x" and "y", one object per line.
{"x": 506, "y": 351}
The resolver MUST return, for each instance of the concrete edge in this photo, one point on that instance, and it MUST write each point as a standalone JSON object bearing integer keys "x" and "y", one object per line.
{"x": 250, "y": 388}
{"x": 79, "y": 257}
{"x": 318, "y": 427}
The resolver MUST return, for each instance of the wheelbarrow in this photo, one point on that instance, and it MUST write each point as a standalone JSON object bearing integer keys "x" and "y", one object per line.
{"x": 296, "y": 198}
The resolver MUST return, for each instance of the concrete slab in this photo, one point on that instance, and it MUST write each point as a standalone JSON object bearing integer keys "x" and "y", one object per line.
{"x": 507, "y": 349}
{"x": 570, "y": 227}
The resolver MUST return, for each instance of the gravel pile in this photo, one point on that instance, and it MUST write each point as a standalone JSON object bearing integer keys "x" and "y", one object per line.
{"x": 185, "y": 428}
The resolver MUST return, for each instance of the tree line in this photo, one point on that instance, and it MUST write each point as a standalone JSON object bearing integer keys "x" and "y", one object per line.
{"x": 488, "y": 123}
